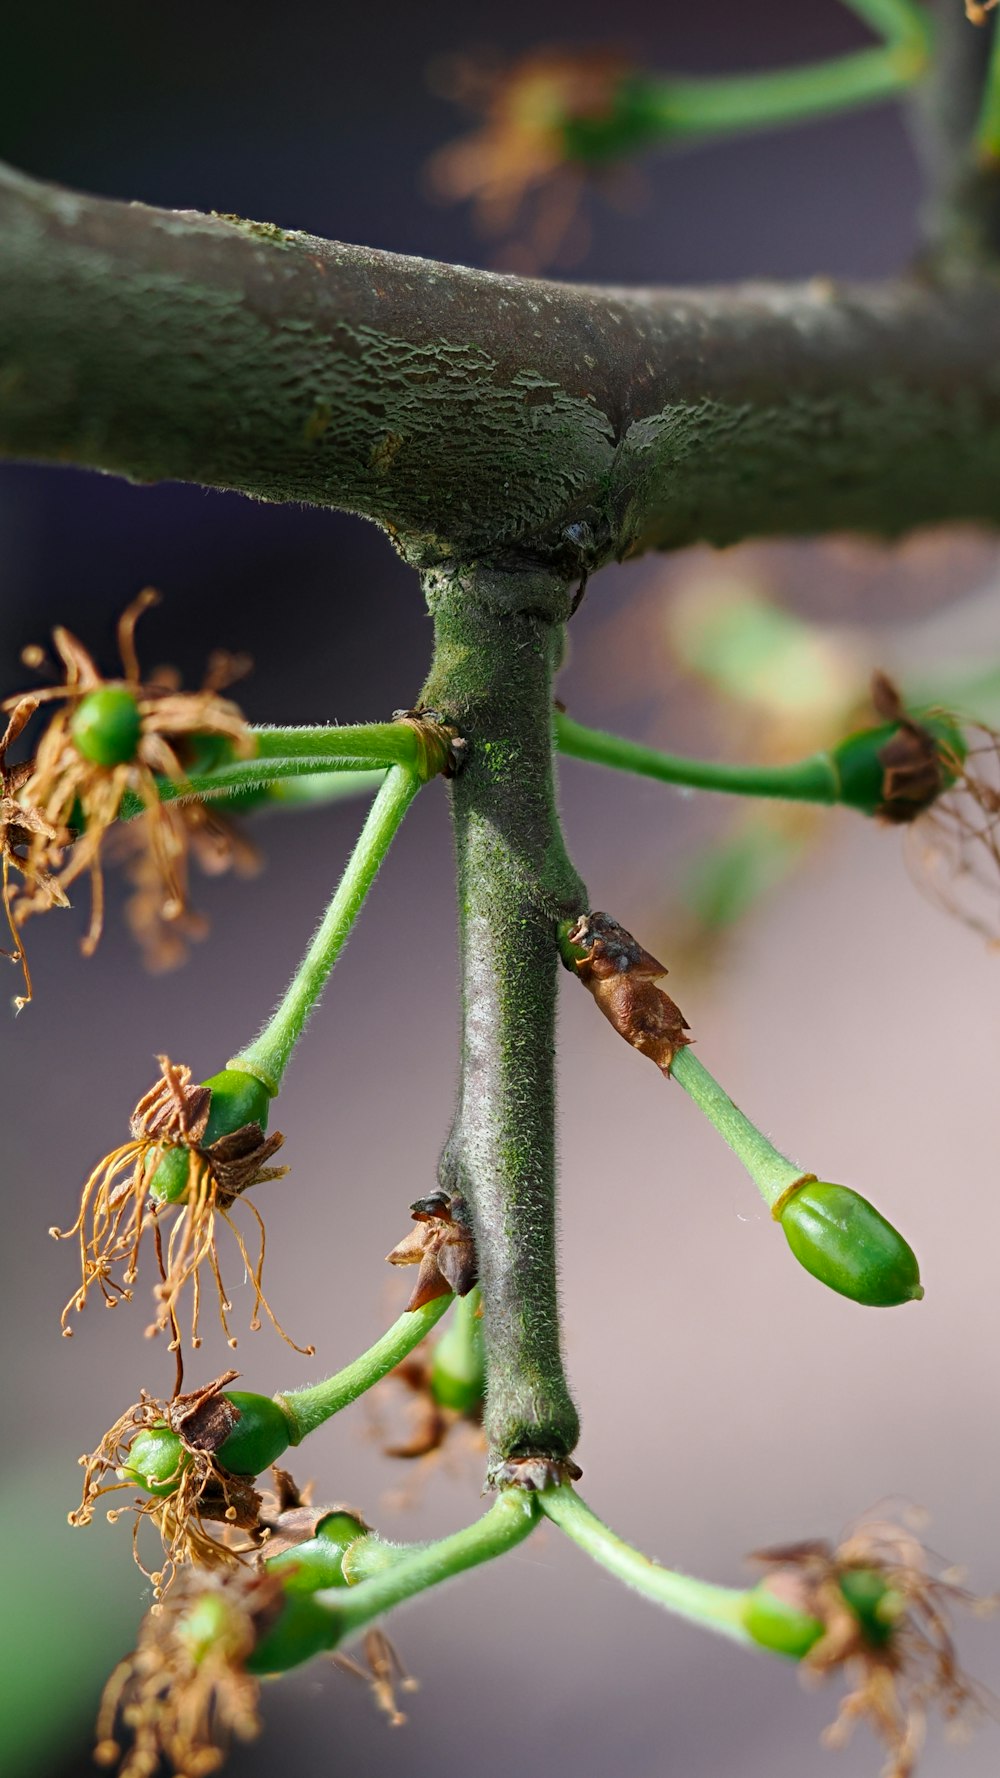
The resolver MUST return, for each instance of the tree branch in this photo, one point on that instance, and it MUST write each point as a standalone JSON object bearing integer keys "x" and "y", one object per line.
{"x": 480, "y": 417}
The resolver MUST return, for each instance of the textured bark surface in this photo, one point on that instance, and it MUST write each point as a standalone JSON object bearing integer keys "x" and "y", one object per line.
{"x": 480, "y": 417}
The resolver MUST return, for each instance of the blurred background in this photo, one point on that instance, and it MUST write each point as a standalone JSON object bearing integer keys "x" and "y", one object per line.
{"x": 730, "y": 1402}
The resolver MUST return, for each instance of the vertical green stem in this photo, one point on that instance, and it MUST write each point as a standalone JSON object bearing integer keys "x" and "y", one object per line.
{"x": 498, "y": 641}
{"x": 269, "y": 1054}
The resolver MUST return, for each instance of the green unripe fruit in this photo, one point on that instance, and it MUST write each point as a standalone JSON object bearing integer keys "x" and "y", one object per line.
{"x": 106, "y": 726}
{"x": 875, "y": 1605}
{"x": 170, "y": 1180}
{"x": 843, "y": 1241}
{"x": 304, "y": 1629}
{"x": 155, "y": 1461}
{"x": 319, "y": 1561}
{"x": 860, "y": 770}
{"x": 779, "y": 1624}
{"x": 237, "y": 1099}
{"x": 261, "y": 1434}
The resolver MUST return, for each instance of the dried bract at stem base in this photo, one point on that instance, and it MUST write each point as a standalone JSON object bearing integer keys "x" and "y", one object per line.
{"x": 443, "y": 1247}
{"x": 622, "y": 978}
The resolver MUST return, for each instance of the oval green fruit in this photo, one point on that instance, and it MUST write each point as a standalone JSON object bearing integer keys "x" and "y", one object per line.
{"x": 261, "y": 1434}
{"x": 106, "y": 726}
{"x": 779, "y": 1624}
{"x": 843, "y": 1241}
{"x": 155, "y": 1460}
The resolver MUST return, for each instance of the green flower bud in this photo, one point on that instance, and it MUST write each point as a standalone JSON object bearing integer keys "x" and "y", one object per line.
{"x": 205, "y": 1624}
{"x": 237, "y": 1099}
{"x": 155, "y": 1460}
{"x": 843, "y": 1241}
{"x": 106, "y": 726}
{"x": 779, "y": 1623}
{"x": 261, "y": 1434}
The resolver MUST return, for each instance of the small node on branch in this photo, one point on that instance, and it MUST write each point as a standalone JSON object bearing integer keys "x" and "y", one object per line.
{"x": 622, "y": 978}
{"x": 194, "y": 1151}
{"x": 442, "y": 1245}
{"x": 442, "y": 748}
{"x": 533, "y": 1473}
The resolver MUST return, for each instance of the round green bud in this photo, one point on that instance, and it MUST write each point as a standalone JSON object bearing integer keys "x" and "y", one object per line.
{"x": 106, "y": 726}
{"x": 304, "y": 1629}
{"x": 875, "y": 1604}
{"x": 261, "y": 1434}
{"x": 155, "y": 1460}
{"x": 843, "y": 1241}
{"x": 237, "y": 1099}
{"x": 778, "y": 1623}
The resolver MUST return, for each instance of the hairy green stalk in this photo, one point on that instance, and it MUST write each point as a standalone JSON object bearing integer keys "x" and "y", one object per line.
{"x": 700, "y": 1602}
{"x": 988, "y": 132}
{"x": 498, "y": 642}
{"x": 772, "y": 1172}
{"x": 308, "y": 1408}
{"x": 812, "y": 780}
{"x": 268, "y": 1056}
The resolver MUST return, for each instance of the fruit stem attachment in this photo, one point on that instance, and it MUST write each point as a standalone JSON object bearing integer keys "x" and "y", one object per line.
{"x": 699, "y": 1601}
{"x": 308, "y": 1408}
{"x": 269, "y": 1054}
{"x": 510, "y": 1519}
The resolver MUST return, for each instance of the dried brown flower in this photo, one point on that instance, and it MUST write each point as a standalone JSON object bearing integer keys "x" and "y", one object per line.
{"x": 184, "y": 1694}
{"x": 204, "y": 1495}
{"x": 29, "y": 843}
{"x": 441, "y": 1245}
{"x": 117, "y": 1209}
{"x": 164, "y": 931}
{"x": 66, "y": 786}
{"x": 622, "y": 978}
{"x": 520, "y": 149}
{"x": 884, "y": 1602}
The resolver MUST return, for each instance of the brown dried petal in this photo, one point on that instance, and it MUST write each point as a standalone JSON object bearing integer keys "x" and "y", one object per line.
{"x": 442, "y": 1245}
{"x": 622, "y": 978}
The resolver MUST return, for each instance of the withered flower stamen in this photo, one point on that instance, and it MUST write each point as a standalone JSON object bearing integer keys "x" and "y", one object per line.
{"x": 120, "y": 1205}
{"x": 203, "y": 1494}
{"x": 884, "y": 1603}
{"x": 66, "y": 784}
{"x": 29, "y": 842}
{"x": 184, "y": 1693}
